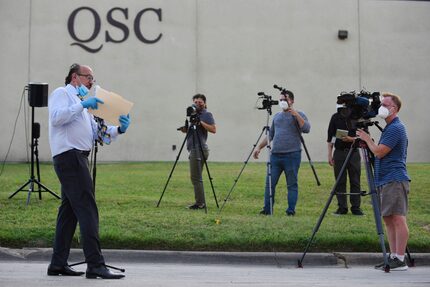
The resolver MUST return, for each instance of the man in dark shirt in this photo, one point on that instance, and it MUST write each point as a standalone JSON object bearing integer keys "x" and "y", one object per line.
{"x": 204, "y": 124}
{"x": 342, "y": 145}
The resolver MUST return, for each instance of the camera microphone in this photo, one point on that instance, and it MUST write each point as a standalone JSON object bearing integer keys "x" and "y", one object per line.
{"x": 279, "y": 88}
{"x": 260, "y": 93}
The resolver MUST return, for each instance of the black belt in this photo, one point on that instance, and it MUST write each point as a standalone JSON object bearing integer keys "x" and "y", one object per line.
{"x": 343, "y": 149}
{"x": 86, "y": 153}
{"x": 348, "y": 148}
{"x": 83, "y": 152}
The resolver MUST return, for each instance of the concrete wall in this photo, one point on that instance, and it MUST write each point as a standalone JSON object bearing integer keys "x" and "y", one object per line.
{"x": 226, "y": 49}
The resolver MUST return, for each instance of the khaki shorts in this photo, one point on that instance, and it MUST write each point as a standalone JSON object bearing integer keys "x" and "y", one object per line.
{"x": 393, "y": 198}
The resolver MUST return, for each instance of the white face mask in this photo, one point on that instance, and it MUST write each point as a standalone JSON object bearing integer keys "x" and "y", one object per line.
{"x": 283, "y": 105}
{"x": 383, "y": 112}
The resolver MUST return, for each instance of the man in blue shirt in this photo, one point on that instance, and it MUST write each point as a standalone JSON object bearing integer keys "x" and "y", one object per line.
{"x": 391, "y": 178}
{"x": 286, "y": 153}
{"x": 72, "y": 132}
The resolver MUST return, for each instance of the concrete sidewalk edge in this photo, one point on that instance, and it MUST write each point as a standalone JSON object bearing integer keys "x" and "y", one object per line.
{"x": 206, "y": 257}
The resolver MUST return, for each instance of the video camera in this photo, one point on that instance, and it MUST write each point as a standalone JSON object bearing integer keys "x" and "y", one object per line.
{"x": 360, "y": 107}
{"x": 193, "y": 114}
{"x": 266, "y": 101}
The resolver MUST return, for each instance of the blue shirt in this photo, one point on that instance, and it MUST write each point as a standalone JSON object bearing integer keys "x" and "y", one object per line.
{"x": 70, "y": 125}
{"x": 283, "y": 133}
{"x": 392, "y": 167}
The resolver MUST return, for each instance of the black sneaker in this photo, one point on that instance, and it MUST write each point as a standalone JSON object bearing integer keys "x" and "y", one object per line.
{"x": 381, "y": 265}
{"x": 197, "y": 206}
{"x": 341, "y": 211}
{"x": 357, "y": 212}
{"x": 397, "y": 265}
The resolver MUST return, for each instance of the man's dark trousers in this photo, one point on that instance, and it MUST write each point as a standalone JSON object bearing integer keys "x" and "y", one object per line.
{"x": 353, "y": 169}
{"x": 78, "y": 204}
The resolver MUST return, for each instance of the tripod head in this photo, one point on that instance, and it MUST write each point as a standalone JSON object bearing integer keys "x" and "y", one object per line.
{"x": 266, "y": 102}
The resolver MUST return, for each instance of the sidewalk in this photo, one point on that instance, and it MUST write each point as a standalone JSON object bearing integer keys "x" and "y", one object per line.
{"x": 196, "y": 257}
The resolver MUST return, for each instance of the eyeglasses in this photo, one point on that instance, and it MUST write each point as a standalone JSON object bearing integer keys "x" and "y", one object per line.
{"x": 88, "y": 76}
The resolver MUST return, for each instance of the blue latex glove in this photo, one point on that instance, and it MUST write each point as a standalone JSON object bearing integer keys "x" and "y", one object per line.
{"x": 91, "y": 103}
{"x": 124, "y": 122}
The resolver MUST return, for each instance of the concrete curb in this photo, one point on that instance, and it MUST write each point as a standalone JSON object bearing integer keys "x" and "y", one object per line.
{"x": 199, "y": 257}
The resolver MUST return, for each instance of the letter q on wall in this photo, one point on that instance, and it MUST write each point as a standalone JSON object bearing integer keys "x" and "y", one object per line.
{"x": 112, "y": 20}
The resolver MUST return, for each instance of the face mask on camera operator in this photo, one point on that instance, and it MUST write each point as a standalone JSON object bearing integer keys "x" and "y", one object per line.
{"x": 386, "y": 109}
{"x": 285, "y": 102}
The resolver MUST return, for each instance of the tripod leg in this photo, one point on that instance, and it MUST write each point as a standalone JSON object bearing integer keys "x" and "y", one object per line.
{"x": 36, "y": 153}
{"x": 410, "y": 259}
{"x": 30, "y": 190}
{"x": 269, "y": 176}
{"x": 173, "y": 168}
{"x": 20, "y": 188}
{"x": 269, "y": 167}
{"x": 307, "y": 153}
{"x": 210, "y": 180}
{"x": 47, "y": 189}
{"x": 240, "y": 173}
{"x": 327, "y": 205}
{"x": 207, "y": 168}
{"x": 375, "y": 205}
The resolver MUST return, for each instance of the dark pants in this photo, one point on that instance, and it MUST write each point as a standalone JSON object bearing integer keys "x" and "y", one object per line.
{"x": 289, "y": 163}
{"x": 78, "y": 204}
{"x": 353, "y": 169}
{"x": 196, "y": 167}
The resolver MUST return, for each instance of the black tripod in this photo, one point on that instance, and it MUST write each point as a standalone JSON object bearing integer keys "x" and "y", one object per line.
{"x": 368, "y": 157}
{"x": 192, "y": 131}
{"x": 307, "y": 153}
{"x": 35, "y": 134}
{"x": 266, "y": 132}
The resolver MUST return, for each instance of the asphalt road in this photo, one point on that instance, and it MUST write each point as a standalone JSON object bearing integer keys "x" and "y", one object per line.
{"x": 33, "y": 273}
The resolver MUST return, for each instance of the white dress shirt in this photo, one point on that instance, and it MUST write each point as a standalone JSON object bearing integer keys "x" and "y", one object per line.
{"x": 70, "y": 125}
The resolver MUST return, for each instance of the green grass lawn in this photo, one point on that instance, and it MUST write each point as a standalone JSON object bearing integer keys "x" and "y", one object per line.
{"x": 127, "y": 194}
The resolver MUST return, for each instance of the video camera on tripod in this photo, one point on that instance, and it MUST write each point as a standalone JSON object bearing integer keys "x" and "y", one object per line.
{"x": 359, "y": 108}
{"x": 192, "y": 117}
{"x": 193, "y": 114}
{"x": 265, "y": 102}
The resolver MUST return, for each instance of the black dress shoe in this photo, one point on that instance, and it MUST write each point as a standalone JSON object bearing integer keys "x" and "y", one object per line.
{"x": 102, "y": 272}
{"x": 357, "y": 211}
{"x": 341, "y": 211}
{"x": 63, "y": 270}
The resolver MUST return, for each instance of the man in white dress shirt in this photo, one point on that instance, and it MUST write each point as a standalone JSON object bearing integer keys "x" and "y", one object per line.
{"x": 72, "y": 132}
